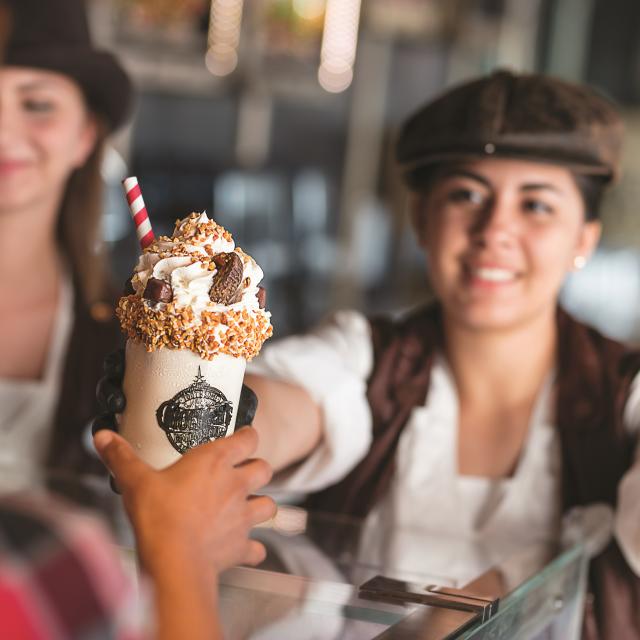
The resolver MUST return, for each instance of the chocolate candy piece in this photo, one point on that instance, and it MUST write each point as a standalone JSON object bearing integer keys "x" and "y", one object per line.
{"x": 228, "y": 278}
{"x": 158, "y": 291}
{"x": 128, "y": 288}
{"x": 262, "y": 297}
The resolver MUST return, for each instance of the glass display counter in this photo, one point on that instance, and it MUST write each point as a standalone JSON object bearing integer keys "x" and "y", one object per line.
{"x": 321, "y": 584}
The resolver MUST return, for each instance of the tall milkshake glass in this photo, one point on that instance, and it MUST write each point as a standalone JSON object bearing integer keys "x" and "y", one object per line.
{"x": 193, "y": 315}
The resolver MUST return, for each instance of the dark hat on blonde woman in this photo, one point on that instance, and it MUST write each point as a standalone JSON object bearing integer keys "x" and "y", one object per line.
{"x": 528, "y": 116}
{"x": 54, "y": 35}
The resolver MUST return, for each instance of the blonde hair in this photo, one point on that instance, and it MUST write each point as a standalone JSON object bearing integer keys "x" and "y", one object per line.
{"x": 79, "y": 225}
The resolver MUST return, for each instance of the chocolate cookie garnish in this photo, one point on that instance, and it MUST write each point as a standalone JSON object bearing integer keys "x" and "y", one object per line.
{"x": 262, "y": 297}
{"x": 228, "y": 279}
{"x": 158, "y": 291}
{"x": 128, "y": 287}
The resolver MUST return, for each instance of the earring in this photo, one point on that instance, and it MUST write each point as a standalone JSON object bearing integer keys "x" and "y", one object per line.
{"x": 579, "y": 262}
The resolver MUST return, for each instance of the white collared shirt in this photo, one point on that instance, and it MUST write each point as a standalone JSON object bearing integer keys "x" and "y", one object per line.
{"x": 427, "y": 494}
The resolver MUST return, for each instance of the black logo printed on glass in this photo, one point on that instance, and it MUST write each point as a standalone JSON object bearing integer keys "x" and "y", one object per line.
{"x": 195, "y": 415}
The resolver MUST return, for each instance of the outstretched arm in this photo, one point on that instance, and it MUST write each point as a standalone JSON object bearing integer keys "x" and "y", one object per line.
{"x": 287, "y": 420}
{"x": 191, "y": 522}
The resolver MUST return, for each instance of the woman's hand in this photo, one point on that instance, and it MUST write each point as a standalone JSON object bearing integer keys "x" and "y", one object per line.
{"x": 191, "y": 521}
{"x": 200, "y": 509}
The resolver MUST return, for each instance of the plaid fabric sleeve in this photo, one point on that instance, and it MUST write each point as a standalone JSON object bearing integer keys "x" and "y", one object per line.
{"x": 61, "y": 576}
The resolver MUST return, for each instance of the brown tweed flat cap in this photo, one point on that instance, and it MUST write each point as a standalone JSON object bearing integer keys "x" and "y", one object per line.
{"x": 530, "y": 117}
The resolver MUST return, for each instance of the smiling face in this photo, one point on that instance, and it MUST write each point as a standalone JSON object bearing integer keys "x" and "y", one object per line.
{"x": 500, "y": 236}
{"x": 45, "y": 133}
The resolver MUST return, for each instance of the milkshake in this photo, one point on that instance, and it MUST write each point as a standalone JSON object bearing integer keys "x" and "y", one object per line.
{"x": 194, "y": 314}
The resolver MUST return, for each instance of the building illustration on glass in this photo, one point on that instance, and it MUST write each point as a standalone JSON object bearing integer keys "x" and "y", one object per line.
{"x": 195, "y": 415}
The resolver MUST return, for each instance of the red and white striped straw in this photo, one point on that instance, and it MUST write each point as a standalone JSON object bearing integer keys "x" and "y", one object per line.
{"x": 138, "y": 211}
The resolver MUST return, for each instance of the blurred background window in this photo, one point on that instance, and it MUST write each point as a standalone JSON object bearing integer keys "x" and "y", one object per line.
{"x": 278, "y": 118}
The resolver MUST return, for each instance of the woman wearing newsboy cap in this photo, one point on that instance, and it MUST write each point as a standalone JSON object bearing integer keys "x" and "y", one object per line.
{"x": 59, "y": 99}
{"x": 490, "y": 413}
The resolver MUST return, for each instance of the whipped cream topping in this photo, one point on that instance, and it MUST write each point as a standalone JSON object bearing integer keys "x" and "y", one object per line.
{"x": 192, "y": 264}
{"x": 185, "y": 261}
{"x": 197, "y": 234}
